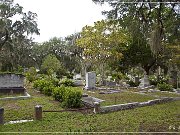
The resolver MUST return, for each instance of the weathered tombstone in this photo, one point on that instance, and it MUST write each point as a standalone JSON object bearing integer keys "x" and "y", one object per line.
{"x": 90, "y": 80}
{"x": 13, "y": 83}
{"x": 1, "y": 115}
{"x": 173, "y": 78}
{"x": 11, "y": 80}
{"x": 144, "y": 82}
{"x": 136, "y": 79}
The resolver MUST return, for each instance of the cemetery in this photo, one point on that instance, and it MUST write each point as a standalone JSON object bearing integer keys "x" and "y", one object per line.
{"x": 117, "y": 75}
{"x": 101, "y": 100}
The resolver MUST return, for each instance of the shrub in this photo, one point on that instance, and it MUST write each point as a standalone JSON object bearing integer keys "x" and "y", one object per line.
{"x": 67, "y": 82}
{"x": 69, "y": 75}
{"x": 118, "y": 76}
{"x": 58, "y": 93}
{"x": 39, "y": 84}
{"x": 72, "y": 98}
{"x": 153, "y": 80}
{"x": 162, "y": 79}
{"x": 55, "y": 81}
{"x": 133, "y": 84}
{"x": 44, "y": 86}
{"x": 164, "y": 86}
{"x": 31, "y": 74}
{"x": 47, "y": 90}
{"x": 69, "y": 96}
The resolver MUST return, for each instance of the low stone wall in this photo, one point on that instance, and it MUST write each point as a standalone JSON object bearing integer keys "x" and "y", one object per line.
{"x": 12, "y": 83}
{"x": 11, "y": 80}
{"x": 26, "y": 96}
{"x": 113, "y": 108}
{"x": 118, "y": 107}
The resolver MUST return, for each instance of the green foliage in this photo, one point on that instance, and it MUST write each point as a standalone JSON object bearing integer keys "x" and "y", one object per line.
{"x": 154, "y": 80}
{"x": 31, "y": 74}
{"x": 67, "y": 82}
{"x": 101, "y": 41}
{"x": 51, "y": 64}
{"x": 164, "y": 86}
{"x": 133, "y": 84}
{"x": 72, "y": 98}
{"x": 44, "y": 86}
{"x": 48, "y": 88}
{"x": 54, "y": 81}
{"x": 69, "y": 96}
{"x": 69, "y": 75}
{"x": 16, "y": 30}
{"x": 58, "y": 93}
{"x": 118, "y": 76}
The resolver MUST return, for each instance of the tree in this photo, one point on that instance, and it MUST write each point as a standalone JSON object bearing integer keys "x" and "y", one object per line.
{"x": 101, "y": 42}
{"x": 55, "y": 46}
{"x": 51, "y": 64}
{"x": 74, "y": 62}
{"x": 21, "y": 27}
{"x": 64, "y": 49}
{"x": 16, "y": 28}
{"x": 157, "y": 20}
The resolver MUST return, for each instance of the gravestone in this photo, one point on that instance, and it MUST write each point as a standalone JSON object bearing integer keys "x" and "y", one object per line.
{"x": 136, "y": 79}
{"x": 77, "y": 77}
{"x": 173, "y": 78}
{"x": 90, "y": 80}
{"x": 11, "y": 83}
{"x": 144, "y": 82}
{"x": 11, "y": 80}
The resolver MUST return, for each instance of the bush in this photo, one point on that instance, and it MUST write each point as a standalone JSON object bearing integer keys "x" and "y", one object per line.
{"x": 55, "y": 81}
{"x": 31, "y": 74}
{"x": 72, "y": 98}
{"x": 153, "y": 80}
{"x": 164, "y": 86}
{"x": 39, "y": 84}
{"x": 67, "y": 82}
{"x": 133, "y": 84}
{"x": 69, "y": 96}
{"x": 44, "y": 86}
{"x": 47, "y": 90}
{"x": 162, "y": 79}
{"x": 118, "y": 76}
{"x": 69, "y": 75}
{"x": 58, "y": 93}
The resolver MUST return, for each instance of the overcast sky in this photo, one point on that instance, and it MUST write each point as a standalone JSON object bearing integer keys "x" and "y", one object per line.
{"x": 62, "y": 17}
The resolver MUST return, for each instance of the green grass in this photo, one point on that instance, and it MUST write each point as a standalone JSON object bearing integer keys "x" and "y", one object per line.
{"x": 164, "y": 94}
{"x": 120, "y": 98}
{"x": 24, "y": 109}
{"x": 157, "y": 118}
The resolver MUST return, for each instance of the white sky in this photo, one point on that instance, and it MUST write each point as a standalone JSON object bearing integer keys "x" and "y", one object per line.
{"x": 62, "y": 17}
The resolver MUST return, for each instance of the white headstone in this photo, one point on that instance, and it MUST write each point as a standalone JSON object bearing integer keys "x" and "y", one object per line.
{"x": 90, "y": 80}
{"x": 144, "y": 82}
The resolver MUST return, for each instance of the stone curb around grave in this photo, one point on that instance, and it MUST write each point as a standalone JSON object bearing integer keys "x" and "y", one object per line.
{"x": 16, "y": 98}
{"x": 113, "y": 108}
